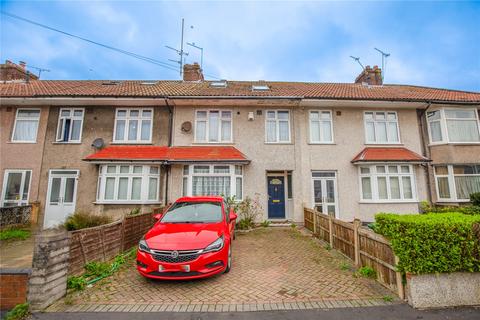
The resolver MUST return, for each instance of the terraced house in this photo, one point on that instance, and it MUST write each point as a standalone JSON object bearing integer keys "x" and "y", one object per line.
{"x": 347, "y": 149}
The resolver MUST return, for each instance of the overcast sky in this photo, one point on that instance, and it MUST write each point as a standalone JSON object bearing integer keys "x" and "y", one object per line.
{"x": 431, "y": 44}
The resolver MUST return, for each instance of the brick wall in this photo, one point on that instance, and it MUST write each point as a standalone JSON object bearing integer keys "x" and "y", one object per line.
{"x": 13, "y": 287}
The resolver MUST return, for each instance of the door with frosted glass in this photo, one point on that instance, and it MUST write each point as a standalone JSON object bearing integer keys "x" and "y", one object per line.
{"x": 325, "y": 193}
{"x": 61, "y": 196}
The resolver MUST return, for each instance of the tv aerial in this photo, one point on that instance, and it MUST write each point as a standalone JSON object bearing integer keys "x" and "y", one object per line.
{"x": 384, "y": 61}
{"x": 357, "y": 59}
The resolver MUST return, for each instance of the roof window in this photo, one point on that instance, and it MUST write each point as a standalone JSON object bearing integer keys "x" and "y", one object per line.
{"x": 218, "y": 84}
{"x": 260, "y": 87}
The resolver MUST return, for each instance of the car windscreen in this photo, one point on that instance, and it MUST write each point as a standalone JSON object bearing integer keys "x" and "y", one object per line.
{"x": 193, "y": 212}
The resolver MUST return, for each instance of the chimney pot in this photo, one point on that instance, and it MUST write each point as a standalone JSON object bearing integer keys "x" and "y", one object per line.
{"x": 369, "y": 76}
{"x": 192, "y": 72}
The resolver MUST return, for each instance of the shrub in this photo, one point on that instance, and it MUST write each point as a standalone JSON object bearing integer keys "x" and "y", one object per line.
{"x": 76, "y": 283}
{"x": 97, "y": 269}
{"x": 248, "y": 211}
{"x": 428, "y": 243}
{"x": 20, "y": 311}
{"x": 265, "y": 224}
{"x": 475, "y": 199}
{"x": 367, "y": 272}
{"x": 426, "y": 207}
{"x": 82, "y": 220}
{"x": 134, "y": 212}
{"x": 14, "y": 234}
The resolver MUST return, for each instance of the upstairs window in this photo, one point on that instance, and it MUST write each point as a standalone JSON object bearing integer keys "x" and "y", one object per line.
{"x": 321, "y": 127}
{"x": 453, "y": 126}
{"x": 70, "y": 125}
{"x": 26, "y": 125}
{"x": 277, "y": 126}
{"x": 213, "y": 126}
{"x": 381, "y": 127}
{"x": 133, "y": 125}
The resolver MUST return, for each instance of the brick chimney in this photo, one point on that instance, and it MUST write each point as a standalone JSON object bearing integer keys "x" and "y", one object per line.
{"x": 192, "y": 72}
{"x": 370, "y": 76}
{"x": 10, "y": 71}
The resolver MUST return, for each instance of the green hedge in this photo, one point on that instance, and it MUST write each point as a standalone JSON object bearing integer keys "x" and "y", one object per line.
{"x": 465, "y": 209}
{"x": 430, "y": 243}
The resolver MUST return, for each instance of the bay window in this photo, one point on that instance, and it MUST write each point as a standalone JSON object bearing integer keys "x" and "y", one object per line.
{"x": 16, "y": 187}
{"x": 133, "y": 125}
{"x": 69, "y": 127}
{"x": 455, "y": 183}
{"x": 213, "y": 126}
{"x": 26, "y": 125}
{"x": 321, "y": 130}
{"x": 381, "y": 127}
{"x": 213, "y": 180}
{"x": 277, "y": 126}
{"x": 453, "y": 126}
{"x": 128, "y": 184}
{"x": 387, "y": 183}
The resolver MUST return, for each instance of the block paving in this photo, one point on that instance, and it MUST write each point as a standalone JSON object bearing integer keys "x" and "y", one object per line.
{"x": 273, "y": 269}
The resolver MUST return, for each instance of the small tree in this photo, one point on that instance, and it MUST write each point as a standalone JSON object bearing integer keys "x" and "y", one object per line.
{"x": 248, "y": 210}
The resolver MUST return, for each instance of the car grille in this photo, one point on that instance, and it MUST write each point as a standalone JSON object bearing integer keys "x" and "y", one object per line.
{"x": 169, "y": 256}
{"x": 175, "y": 274}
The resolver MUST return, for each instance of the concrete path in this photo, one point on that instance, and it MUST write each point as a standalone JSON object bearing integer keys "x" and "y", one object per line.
{"x": 395, "y": 312}
{"x": 17, "y": 254}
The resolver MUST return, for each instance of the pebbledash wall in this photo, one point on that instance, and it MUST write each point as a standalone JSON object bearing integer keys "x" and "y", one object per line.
{"x": 98, "y": 122}
{"x": 301, "y": 157}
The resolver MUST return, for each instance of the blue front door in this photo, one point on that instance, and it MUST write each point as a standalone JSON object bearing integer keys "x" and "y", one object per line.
{"x": 276, "y": 197}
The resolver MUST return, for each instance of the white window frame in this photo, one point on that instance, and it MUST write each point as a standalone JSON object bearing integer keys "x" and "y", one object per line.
{"x": 386, "y": 124}
{"x": 31, "y": 118}
{"x": 232, "y": 174}
{"x": 277, "y": 127}
{"x": 374, "y": 183}
{"x": 20, "y": 202}
{"x": 127, "y": 122}
{"x": 145, "y": 175}
{"x": 452, "y": 188}
{"x": 320, "y": 120}
{"x": 207, "y": 126}
{"x": 443, "y": 125}
{"x": 71, "y": 117}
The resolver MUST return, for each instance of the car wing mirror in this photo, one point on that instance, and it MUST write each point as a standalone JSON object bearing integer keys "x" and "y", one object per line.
{"x": 233, "y": 215}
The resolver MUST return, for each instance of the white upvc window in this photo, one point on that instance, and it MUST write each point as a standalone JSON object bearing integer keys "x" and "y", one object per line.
{"x": 124, "y": 183}
{"x": 213, "y": 126}
{"x": 133, "y": 125}
{"x": 16, "y": 187}
{"x": 387, "y": 183}
{"x": 381, "y": 127}
{"x": 26, "y": 125}
{"x": 321, "y": 127}
{"x": 213, "y": 180}
{"x": 455, "y": 183}
{"x": 277, "y": 126}
{"x": 453, "y": 125}
{"x": 70, "y": 123}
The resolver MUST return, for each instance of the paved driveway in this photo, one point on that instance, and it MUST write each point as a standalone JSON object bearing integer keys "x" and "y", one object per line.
{"x": 274, "y": 268}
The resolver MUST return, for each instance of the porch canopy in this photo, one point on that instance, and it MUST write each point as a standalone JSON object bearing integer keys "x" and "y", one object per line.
{"x": 169, "y": 155}
{"x": 388, "y": 154}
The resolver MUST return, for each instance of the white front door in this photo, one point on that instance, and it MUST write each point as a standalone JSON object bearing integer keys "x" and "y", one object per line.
{"x": 325, "y": 197}
{"x": 61, "y": 196}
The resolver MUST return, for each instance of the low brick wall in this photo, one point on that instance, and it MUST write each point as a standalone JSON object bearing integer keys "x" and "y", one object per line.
{"x": 15, "y": 215}
{"x": 443, "y": 290}
{"x": 13, "y": 287}
{"x": 104, "y": 242}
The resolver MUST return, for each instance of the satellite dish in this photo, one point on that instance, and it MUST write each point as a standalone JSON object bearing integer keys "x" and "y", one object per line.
{"x": 98, "y": 143}
{"x": 187, "y": 126}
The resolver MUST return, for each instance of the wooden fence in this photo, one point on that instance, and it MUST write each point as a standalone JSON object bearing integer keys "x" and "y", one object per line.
{"x": 362, "y": 245}
{"x": 104, "y": 242}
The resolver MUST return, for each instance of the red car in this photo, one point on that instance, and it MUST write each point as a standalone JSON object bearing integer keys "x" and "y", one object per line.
{"x": 192, "y": 239}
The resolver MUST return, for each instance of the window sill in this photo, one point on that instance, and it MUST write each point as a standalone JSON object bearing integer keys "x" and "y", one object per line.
{"x": 279, "y": 143}
{"x": 453, "y": 201}
{"x": 454, "y": 144}
{"x": 129, "y": 143}
{"x": 216, "y": 143}
{"x": 127, "y": 202}
{"x": 383, "y": 144}
{"x": 60, "y": 142}
{"x": 21, "y": 142}
{"x": 388, "y": 202}
{"x": 321, "y": 143}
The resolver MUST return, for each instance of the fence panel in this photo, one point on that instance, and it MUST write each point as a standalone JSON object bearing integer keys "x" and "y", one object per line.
{"x": 323, "y": 230}
{"x": 343, "y": 239}
{"x": 308, "y": 219}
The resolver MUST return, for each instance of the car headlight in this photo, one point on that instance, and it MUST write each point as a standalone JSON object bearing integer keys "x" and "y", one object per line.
{"x": 216, "y": 245}
{"x": 142, "y": 246}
